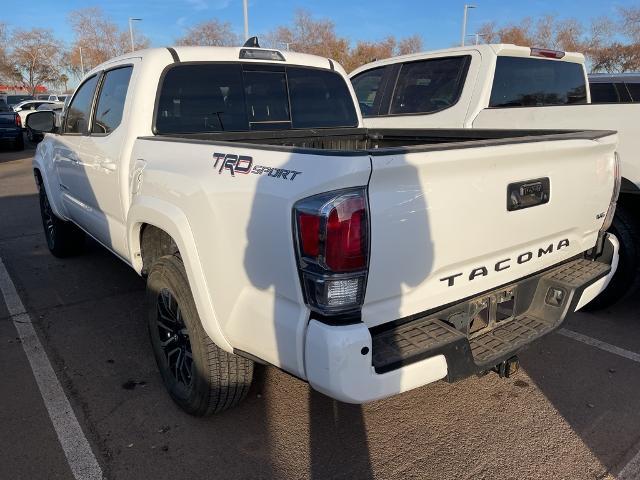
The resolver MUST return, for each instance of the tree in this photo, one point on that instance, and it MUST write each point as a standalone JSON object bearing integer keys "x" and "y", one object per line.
{"x": 318, "y": 37}
{"x": 211, "y": 33}
{"x": 306, "y": 35}
{"x": 7, "y": 68}
{"x": 99, "y": 38}
{"x": 36, "y": 57}
{"x": 630, "y": 17}
{"x": 596, "y": 42}
{"x": 64, "y": 80}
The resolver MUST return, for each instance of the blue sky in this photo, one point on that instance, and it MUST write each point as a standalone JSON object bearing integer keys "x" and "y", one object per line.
{"x": 438, "y": 22}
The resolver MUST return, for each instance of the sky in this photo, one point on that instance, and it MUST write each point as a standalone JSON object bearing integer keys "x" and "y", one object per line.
{"x": 437, "y": 22}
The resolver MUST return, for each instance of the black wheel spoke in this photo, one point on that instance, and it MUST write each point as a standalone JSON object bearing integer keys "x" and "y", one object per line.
{"x": 174, "y": 338}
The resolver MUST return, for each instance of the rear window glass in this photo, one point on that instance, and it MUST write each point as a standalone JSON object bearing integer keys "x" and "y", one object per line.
{"x": 634, "y": 90}
{"x": 202, "y": 98}
{"x": 429, "y": 85}
{"x": 530, "y": 82}
{"x": 603, "y": 93}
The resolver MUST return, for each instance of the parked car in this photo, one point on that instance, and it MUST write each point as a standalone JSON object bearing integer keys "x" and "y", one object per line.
{"x": 29, "y": 106}
{"x": 13, "y": 100}
{"x": 614, "y": 88}
{"x": 272, "y": 227}
{"x": 42, "y": 96}
{"x": 505, "y": 86}
{"x": 10, "y": 127}
{"x": 57, "y": 98}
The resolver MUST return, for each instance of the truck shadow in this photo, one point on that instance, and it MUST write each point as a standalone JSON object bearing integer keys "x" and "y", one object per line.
{"x": 338, "y": 444}
{"x": 594, "y": 391}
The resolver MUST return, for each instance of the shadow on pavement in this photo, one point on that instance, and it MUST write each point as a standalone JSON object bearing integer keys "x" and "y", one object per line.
{"x": 596, "y": 392}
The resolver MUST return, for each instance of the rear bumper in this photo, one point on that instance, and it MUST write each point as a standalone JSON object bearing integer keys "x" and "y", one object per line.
{"x": 10, "y": 135}
{"x": 355, "y": 364}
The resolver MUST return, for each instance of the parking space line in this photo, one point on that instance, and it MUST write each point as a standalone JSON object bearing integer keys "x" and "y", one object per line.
{"x": 607, "y": 347}
{"x": 632, "y": 470}
{"x": 75, "y": 445}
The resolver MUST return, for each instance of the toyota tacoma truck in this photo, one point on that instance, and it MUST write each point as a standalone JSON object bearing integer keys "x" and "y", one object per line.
{"x": 505, "y": 86}
{"x": 272, "y": 227}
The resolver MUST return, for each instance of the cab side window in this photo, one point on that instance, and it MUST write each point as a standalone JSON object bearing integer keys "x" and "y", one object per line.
{"x": 110, "y": 105}
{"x": 79, "y": 111}
{"x": 429, "y": 86}
{"x": 367, "y": 87}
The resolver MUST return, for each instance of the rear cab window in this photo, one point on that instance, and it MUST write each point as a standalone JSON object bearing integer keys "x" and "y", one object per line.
{"x": 533, "y": 82}
{"x": 217, "y": 97}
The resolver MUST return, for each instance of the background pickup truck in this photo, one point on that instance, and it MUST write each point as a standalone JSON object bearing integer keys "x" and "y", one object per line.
{"x": 273, "y": 228}
{"x": 503, "y": 86}
{"x": 10, "y": 127}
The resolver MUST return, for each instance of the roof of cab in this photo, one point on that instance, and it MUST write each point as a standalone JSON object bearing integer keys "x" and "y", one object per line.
{"x": 219, "y": 54}
{"x": 499, "y": 49}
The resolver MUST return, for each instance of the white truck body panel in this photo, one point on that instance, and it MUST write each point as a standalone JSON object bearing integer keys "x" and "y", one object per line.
{"x": 437, "y": 202}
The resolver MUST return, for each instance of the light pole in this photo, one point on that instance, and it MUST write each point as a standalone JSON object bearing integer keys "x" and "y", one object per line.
{"x": 245, "y": 7}
{"x": 464, "y": 23}
{"x": 131, "y": 20}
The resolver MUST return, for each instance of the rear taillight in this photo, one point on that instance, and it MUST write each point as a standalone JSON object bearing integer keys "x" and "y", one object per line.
{"x": 18, "y": 121}
{"x": 546, "y": 53}
{"x": 617, "y": 178}
{"x": 332, "y": 245}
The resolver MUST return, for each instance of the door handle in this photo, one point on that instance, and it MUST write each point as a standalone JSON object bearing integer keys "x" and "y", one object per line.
{"x": 111, "y": 166}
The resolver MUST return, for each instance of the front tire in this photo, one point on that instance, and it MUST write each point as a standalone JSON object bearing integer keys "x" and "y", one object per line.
{"x": 626, "y": 281}
{"x": 201, "y": 377}
{"x": 64, "y": 239}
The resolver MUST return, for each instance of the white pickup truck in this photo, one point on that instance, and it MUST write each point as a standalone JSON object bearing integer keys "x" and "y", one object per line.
{"x": 506, "y": 86}
{"x": 272, "y": 227}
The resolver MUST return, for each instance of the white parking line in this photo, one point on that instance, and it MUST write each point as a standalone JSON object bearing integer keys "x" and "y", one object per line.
{"x": 607, "y": 347}
{"x": 75, "y": 445}
{"x": 632, "y": 470}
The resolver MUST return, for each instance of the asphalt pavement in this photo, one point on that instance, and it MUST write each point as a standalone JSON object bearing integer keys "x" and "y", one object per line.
{"x": 570, "y": 413}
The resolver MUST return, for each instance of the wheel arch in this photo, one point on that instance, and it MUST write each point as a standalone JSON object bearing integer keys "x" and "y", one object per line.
{"x": 164, "y": 225}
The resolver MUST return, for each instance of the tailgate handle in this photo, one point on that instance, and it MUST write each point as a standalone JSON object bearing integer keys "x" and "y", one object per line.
{"x": 528, "y": 193}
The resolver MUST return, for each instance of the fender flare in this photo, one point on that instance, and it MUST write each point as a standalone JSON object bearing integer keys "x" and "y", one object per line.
{"x": 46, "y": 171}
{"x": 168, "y": 217}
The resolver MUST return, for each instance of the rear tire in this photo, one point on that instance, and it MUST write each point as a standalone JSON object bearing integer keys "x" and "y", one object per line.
{"x": 201, "y": 377}
{"x": 626, "y": 280}
{"x": 64, "y": 239}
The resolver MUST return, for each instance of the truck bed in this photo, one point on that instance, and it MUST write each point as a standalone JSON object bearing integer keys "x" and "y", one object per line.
{"x": 379, "y": 141}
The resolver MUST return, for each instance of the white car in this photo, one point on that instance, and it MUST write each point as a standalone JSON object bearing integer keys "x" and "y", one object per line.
{"x": 508, "y": 86}
{"x": 272, "y": 227}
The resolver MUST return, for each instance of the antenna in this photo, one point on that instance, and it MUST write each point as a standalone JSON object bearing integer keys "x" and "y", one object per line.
{"x": 252, "y": 43}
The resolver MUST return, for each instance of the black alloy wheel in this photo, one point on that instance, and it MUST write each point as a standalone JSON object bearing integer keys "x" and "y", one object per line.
{"x": 174, "y": 338}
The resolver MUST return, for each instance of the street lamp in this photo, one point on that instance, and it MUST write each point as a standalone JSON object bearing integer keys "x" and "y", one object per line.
{"x": 131, "y": 20}
{"x": 464, "y": 23}
{"x": 245, "y": 7}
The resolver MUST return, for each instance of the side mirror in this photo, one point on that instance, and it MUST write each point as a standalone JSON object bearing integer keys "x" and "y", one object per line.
{"x": 42, "y": 122}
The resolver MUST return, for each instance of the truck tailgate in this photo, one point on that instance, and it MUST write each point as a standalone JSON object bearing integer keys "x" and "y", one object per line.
{"x": 441, "y": 229}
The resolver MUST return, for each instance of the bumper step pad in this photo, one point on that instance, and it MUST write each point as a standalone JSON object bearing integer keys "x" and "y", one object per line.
{"x": 429, "y": 336}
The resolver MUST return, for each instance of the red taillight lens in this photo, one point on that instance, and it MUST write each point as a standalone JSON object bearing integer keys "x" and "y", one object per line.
{"x": 309, "y": 227}
{"x": 18, "y": 121}
{"x": 345, "y": 243}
